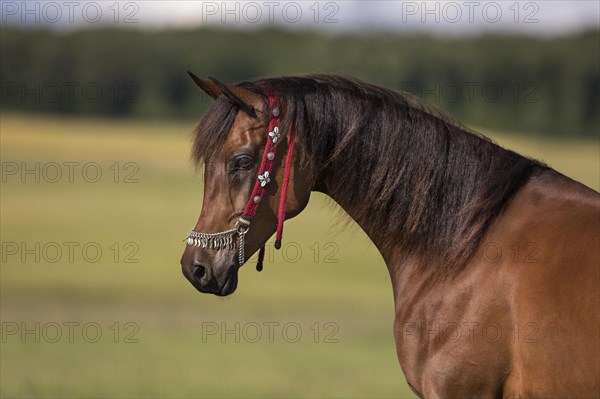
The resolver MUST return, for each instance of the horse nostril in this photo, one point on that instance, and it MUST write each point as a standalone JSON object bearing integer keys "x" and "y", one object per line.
{"x": 199, "y": 272}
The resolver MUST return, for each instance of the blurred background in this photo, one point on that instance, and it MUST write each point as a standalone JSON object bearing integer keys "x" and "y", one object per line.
{"x": 98, "y": 191}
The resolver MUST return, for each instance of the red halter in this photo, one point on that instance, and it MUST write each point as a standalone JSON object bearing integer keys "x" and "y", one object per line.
{"x": 266, "y": 174}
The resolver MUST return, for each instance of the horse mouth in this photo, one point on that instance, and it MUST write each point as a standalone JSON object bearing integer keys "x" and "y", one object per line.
{"x": 226, "y": 289}
{"x": 210, "y": 284}
{"x": 229, "y": 286}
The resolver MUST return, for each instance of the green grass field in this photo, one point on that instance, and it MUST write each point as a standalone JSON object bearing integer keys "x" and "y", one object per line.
{"x": 323, "y": 306}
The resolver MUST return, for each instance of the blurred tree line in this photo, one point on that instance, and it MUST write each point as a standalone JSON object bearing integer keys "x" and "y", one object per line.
{"x": 536, "y": 85}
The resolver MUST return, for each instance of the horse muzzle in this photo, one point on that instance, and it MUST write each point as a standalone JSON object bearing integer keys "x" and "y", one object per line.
{"x": 216, "y": 276}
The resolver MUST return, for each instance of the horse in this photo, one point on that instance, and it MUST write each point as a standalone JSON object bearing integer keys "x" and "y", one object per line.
{"x": 494, "y": 257}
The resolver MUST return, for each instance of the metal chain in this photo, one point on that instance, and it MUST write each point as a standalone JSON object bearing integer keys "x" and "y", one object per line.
{"x": 241, "y": 259}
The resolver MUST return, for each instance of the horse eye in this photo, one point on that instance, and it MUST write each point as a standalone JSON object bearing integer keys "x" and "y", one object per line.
{"x": 244, "y": 162}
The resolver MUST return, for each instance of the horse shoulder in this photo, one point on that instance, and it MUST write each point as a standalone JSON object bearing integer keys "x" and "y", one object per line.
{"x": 551, "y": 233}
{"x": 521, "y": 320}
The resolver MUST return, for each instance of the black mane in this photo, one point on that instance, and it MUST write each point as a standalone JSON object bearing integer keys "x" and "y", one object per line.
{"x": 412, "y": 176}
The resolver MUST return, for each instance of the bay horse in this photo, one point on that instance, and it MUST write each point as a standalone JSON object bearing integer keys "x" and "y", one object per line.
{"x": 494, "y": 258}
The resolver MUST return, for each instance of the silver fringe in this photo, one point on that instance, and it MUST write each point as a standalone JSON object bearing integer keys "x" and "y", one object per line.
{"x": 222, "y": 240}
{"x": 219, "y": 241}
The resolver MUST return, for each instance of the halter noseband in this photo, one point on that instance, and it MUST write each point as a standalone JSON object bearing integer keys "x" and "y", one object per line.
{"x": 225, "y": 239}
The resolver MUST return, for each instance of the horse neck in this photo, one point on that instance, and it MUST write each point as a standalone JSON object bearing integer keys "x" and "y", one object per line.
{"x": 411, "y": 269}
{"x": 399, "y": 266}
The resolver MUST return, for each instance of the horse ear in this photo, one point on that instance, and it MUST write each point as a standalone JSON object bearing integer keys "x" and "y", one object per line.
{"x": 241, "y": 97}
{"x": 207, "y": 86}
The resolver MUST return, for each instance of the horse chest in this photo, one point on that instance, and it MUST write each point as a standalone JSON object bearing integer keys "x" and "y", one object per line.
{"x": 457, "y": 343}
{"x": 453, "y": 358}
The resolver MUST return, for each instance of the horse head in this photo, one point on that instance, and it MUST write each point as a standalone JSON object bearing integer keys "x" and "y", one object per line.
{"x": 253, "y": 181}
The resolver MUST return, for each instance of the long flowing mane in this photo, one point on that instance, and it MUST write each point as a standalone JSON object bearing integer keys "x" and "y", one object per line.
{"x": 410, "y": 174}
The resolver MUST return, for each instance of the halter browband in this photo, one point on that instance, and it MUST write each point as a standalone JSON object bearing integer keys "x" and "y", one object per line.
{"x": 225, "y": 239}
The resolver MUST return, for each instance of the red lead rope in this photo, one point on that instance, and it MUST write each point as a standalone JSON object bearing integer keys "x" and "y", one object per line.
{"x": 266, "y": 174}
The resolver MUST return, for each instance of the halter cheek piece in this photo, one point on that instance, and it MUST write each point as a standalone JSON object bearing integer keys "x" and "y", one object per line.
{"x": 226, "y": 239}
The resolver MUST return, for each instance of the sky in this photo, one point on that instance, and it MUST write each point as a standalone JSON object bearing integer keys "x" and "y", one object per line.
{"x": 542, "y": 17}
